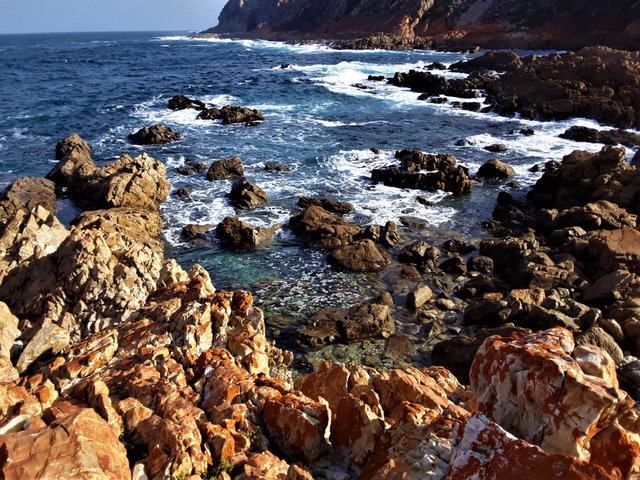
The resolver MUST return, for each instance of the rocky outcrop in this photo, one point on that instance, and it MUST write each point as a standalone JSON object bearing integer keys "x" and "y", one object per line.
{"x": 329, "y": 204}
{"x": 608, "y": 137}
{"x": 361, "y": 256}
{"x": 225, "y": 168}
{"x": 154, "y": 135}
{"x": 246, "y": 195}
{"x": 232, "y": 114}
{"x": 234, "y": 233}
{"x": 319, "y": 227}
{"x": 180, "y": 102}
{"x": 410, "y": 24}
{"x": 443, "y": 173}
{"x": 495, "y": 169}
{"x": 128, "y": 182}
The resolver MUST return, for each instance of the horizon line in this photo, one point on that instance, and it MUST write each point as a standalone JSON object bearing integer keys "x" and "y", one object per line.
{"x": 104, "y": 31}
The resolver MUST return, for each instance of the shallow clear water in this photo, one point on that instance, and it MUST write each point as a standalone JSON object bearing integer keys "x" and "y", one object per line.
{"x": 105, "y": 86}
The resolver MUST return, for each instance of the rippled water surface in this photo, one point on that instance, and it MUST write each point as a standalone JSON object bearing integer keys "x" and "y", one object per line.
{"x": 105, "y": 86}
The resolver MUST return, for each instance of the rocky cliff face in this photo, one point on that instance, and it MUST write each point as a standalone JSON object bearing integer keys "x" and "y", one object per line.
{"x": 354, "y": 17}
{"x": 490, "y": 23}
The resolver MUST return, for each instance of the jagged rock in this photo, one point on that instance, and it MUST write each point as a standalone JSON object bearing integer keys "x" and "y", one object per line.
{"x": 234, "y": 233}
{"x": 154, "y": 135}
{"x": 444, "y": 173}
{"x": 419, "y": 297}
{"x": 329, "y": 204}
{"x": 246, "y": 195}
{"x": 49, "y": 338}
{"x": 361, "y": 256}
{"x": 26, "y": 194}
{"x": 508, "y": 251}
{"x": 69, "y": 440}
{"x": 127, "y": 182}
{"x": 418, "y": 253}
{"x": 317, "y": 226}
{"x": 610, "y": 287}
{"x": 276, "y": 167}
{"x": 193, "y": 231}
{"x": 617, "y": 249}
{"x": 298, "y": 424}
{"x": 232, "y": 114}
{"x": 180, "y": 102}
{"x": 481, "y": 264}
{"x": 500, "y": 61}
{"x": 330, "y": 325}
{"x": 225, "y": 168}
{"x": 495, "y": 169}
{"x": 485, "y": 450}
{"x": 593, "y": 216}
{"x": 551, "y": 402}
{"x": 9, "y": 333}
{"x": 609, "y": 137}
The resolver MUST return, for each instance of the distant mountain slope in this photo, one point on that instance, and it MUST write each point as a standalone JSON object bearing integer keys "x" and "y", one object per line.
{"x": 517, "y": 23}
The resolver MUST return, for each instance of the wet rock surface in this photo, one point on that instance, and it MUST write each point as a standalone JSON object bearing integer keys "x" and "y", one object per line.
{"x": 154, "y": 135}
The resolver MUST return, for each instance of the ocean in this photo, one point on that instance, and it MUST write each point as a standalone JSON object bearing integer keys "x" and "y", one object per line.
{"x": 319, "y": 122}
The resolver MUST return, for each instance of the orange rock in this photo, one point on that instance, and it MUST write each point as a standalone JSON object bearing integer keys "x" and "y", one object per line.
{"x": 76, "y": 443}
{"x": 486, "y": 451}
{"x": 356, "y": 427}
{"x": 298, "y": 424}
{"x": 264, "y": 466}
{"x": 532, "y": 387}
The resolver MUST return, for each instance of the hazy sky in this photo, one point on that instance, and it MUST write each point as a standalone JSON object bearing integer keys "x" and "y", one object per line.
{"x": 29, "y": 16}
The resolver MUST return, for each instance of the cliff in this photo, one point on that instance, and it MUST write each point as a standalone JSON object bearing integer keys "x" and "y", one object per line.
{"x": 489, "y": 23}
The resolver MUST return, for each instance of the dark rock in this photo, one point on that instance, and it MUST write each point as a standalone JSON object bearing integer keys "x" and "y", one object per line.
{"x": 444, "y": 173}
{"x": 319, "y": 227}
{"x": 390, "y": 235}
{"x": 375, "y": 150}
{"x": 232, "y": 114}
{"x": 225, "y": 168}
{"x": 418, "y": 252}
{"x": 471, "y": 106}
{"x": 361, "y": 256}
{"x": 154, "y": 135}
{"x": 527, "y": 132}
{"x": 413, "y": 223}
{"x": 610, "y": 287}
{"x": 541, "y": 318}
{"x": 332, "y": 325}
{"x": 485, "y": 312}
{"x": 608, "y": 137}
{"x": 629, "y": 377}
{"x": 458, "y": 246}
{"x": 329, "y": 204}
{"x": 436, "y": 100}
{"x": 496, "y": 148}
{"x": 501, "y": 61}
{"x": 480, "y": 264}
{"x": 436, "y": 66}
{"x": 245, "y": 194}
{"x": 454, "y": 265}
{"x": 234, "y": 233}
{"x": 276, "y": 167}
{"x": 180, "y": 102}
{"x": 183, "y": 192}
{"x": 193, "y": 231}
{"x": 598, "y": 337}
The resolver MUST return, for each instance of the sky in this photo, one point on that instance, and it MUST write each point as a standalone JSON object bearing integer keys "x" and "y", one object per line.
{"x": 35, "y": 16}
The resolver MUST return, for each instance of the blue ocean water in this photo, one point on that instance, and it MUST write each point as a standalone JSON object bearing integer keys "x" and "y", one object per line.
{"x": 318, "y": 122}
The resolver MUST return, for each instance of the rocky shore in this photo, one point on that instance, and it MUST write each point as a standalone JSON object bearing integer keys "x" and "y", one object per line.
{"x": 116, "y": 363}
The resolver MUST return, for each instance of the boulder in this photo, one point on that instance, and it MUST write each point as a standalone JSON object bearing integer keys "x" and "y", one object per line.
{"x": 194, "y": 231}
{"x": 419, "y": 297}
{"x": 234, "y": 233}
{"x": 329, "y": 204}
{"x": 418, "y": 253}
{"x": 26, "y": 193}
{"x": 246, "y": 195}
{"x": 330, "y": 325}
{"x": 496, "y": 148}
{"x": 616, "y": 249}
{"x": 128, "y": 182}
{"x": 443, "y": 173}
{"x": 495, "y": 169}
{"x": 361, "y": 256}
{"x": 154, "y": 135}
{"x": 232, "y": 114}
{"x": 319, "y": 227}
{"x": 9, "y": 333}
{"x": 225, "y": 168}
{"x": 180, "y": 102}
{"x": 532, "y": 387}
{"x": 276, "y": 167}
{"x": 298, "y": 424}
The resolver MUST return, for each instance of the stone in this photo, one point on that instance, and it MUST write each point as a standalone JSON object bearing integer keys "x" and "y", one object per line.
{"x": 9, "y": 333}
{"x": 495, "y": 169}
{"x": 390, "y": 235}
{"x": 225, "y": 168}
{"x": 154, "y": 135}
{"x": 617, "y": 249}
{"x": 361, "y": 256}
{"x": 610, "y": 287}
{"x": 277, "y": 167}
{"x": 49, "y": 338}
{"x": 234, "y": 233}
{"x": 496, "y": 148}
{"x": 193, "y": 231}
{"x": 419, "y": 297}
{"x": 485, "y": 450}
{"x": 26, "y": 193}
{"x": 329, "y": 204}
{"x": 600, "y": 338}
{"x": 359, "y": 322}
{"x": 531, "y": 386}
{"x": 246, "y": 195}
{"x": 180, "y": 102}
{"x": 418, "y": 253}
{"x": 299, "y": 425}
{"x": 319, "y": 227}
{"x": 230, "y": 114}
{"x": 73, "y": 440}
{"x": 480, "y": 263}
